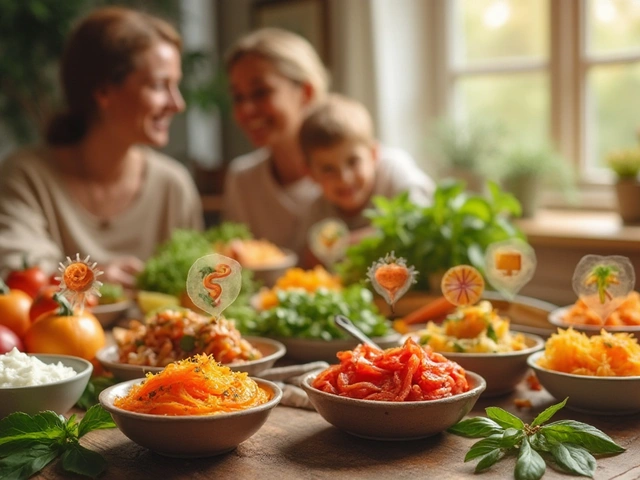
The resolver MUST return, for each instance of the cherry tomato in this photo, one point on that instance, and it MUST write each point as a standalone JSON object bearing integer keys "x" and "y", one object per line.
{"x": 30, "y": 280}
{"x": 14, "y": 309}
{"x": 9, "y": 340}
{"x": 43, "y": 303}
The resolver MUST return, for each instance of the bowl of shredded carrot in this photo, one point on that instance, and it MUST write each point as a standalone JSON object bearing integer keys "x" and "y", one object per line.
{"x": 193, "y": 408}
{"x": 599, "y": 373}
{"x": 400, "y": 393}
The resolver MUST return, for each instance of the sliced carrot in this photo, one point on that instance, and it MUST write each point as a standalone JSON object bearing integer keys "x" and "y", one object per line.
{"x": 435, "y": 310}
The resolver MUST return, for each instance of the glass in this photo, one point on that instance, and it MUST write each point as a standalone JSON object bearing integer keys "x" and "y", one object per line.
{"x": 500, "y": 29}
{"x": 613, "y": 26}
{"x": 613, "y": 104}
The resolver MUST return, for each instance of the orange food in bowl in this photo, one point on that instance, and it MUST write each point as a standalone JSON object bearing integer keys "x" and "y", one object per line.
{"x": 628, "y": 313}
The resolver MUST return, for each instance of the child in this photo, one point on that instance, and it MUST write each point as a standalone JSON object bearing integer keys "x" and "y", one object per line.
{"x": 350, "y": 166}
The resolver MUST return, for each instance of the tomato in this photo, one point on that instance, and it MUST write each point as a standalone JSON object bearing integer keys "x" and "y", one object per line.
{"x": 43, "y": 303}
{"x": 8, "y": 340}
{"x": 30, "y": 280}
{"x": 14, "y": 309}
{"x": 66, "y": 332}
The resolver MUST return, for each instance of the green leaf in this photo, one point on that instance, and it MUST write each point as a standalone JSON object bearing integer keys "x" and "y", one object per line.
{"x": 83, "y": 461}
{"x": 22, "y": 464}
{"x": 44, "y": 426}
{"x": 587, "y": 436}
{"x": 188, "y": 343}
{"x": 96, "y": 418}
{"x": 92, "y": 391}
{"x": 476, "y": 427}
{"x": 504, "y": 418}
{"x": 548, "y": 413}
{"x": 489, "y": 459}
{"x": 484, "y": 447}
{"x": 530, "y": 465}
{"x": 574, "y": 459}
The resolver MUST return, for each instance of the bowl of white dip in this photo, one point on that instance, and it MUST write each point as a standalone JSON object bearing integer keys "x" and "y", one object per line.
{"x": 32, "y": 383}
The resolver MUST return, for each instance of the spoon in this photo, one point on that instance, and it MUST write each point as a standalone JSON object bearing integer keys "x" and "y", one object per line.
{"x": 346, "y": 324}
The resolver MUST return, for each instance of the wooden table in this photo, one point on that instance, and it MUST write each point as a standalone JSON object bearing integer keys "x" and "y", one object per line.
{"x": 300, "y": 444}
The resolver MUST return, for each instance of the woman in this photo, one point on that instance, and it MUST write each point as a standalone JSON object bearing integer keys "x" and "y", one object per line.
{"x": 275, "y": 78}
{"x": 94, "y": 189}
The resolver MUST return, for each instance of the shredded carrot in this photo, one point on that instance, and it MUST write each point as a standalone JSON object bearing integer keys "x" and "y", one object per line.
{"x": 195, "y": 386}
{"x": 406, "y": 373}
{"x": 628, "y": 313}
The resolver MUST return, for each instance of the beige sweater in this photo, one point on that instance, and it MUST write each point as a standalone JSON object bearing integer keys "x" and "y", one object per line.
{"x": 40, "y": 219}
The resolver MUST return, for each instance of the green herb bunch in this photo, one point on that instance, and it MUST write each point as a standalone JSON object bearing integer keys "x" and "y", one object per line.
{"x": 568, "y": 444}
{"x": 456, "y": 229}
{"x": 29, "y": 443}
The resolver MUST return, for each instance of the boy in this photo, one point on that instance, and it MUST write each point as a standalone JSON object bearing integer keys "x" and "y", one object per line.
{"x": 350, "y": 166}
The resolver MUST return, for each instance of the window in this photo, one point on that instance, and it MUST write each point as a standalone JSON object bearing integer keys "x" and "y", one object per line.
{"x": 566, "y": 71}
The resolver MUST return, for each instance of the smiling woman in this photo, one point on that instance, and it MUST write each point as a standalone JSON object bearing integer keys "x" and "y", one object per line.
{"x": 96, "y": 187}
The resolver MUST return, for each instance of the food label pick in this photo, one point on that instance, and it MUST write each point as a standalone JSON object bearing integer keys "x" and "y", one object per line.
{"x": 214, "y": 282}
{"x": 462, "y": 285}
{"x": 603, "y": 283}
{"x": 509, "y": 265}
{"x": 328, "y": 240}
{"x": 78, "y": 280}
{"x": 391, "y": 277}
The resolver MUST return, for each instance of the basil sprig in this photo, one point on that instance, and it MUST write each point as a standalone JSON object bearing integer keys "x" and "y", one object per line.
{"x": 28, "y": 443}
{"x": 569, "y": 444}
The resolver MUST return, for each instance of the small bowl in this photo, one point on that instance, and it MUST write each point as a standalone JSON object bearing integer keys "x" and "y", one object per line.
{"x": 108, "y": 314}
{"x": 57, "y": 396}
{"x": 379, "y": 420}
{"x": 270, "y": 274}
{"x": 556, "y": 318}
{"x": 502, "y": 371}
{"x": 271, "y": 350}
{"x": 590, "y": 394}
{"x": 189, "y": 436}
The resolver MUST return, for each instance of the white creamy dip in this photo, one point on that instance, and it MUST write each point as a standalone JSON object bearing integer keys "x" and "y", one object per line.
{"x": 18, "y": 369}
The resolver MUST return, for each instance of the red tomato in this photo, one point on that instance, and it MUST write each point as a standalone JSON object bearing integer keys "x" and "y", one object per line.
{"x": 14, "y": 310}
{"x": 30, "y": 280}
{"x": 43, "y": 303}
{"x": 8, "y": 340}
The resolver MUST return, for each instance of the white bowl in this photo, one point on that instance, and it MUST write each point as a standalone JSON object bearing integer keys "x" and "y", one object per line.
{"x": 108, "y": 314}
{"x": 502, "y": 371}
{"x": 271, "y": 351}
{"x": 270, "y": 274}
{"x": 556, "y": 317}
{"x": 57, "y": 396}
{"x": 189, "y": 436}
{"x": 590, "y": 394}
{"x": 380, "y": 420}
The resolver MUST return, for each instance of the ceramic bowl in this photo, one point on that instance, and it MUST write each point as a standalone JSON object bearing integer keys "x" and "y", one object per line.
{"x": 57, "y": 396}
{"x": 191, "y": 435}
{"x": 502, "y": 371}
{"x": 268, "y": 275}
{"x": 379, "y": 420}
{"x": 271, "y": 350}
{"x": 109, "y": 314}
{"x": 590, "y": 394}
{"x": 556, "y": 318}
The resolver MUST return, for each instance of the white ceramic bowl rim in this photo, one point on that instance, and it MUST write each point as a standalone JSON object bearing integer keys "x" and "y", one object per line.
{"x": 53, "y": 358}
{"x": 555, "y": 318}
{"x": 108, "y": 405}
{"x": 111, "y": 307}
{"x": 477, "y": 379}
{"x": 533, "y": 358}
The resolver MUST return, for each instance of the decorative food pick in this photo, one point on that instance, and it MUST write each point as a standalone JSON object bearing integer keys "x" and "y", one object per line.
{"x": 509, "y": 265}
{"x": 328, "y": 240}
{"x": 214, "y": 282}
{"x": 391, "y": 277}
{"x": 78, "y": 280}
{"x": 462, "y": 285}
{"x": 603, "y": 283}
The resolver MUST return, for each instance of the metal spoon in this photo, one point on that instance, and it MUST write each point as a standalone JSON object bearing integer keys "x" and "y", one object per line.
{"x": 346, "y": 324}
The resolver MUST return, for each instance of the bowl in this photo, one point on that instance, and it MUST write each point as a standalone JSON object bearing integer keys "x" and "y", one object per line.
{"x": 556, "y": 318}
{"x": 108, "y": 314}
{"x": 311, "y": 350}
{"x": 590, "y": 394}
{"x": 271, "y": 350}
{"x": 378, "y": 420}
{"x": 57, "y": 396}
{"x": 502, "y": 371}
{"x": 189, "y": 436}
{"x": 269, "y": 274}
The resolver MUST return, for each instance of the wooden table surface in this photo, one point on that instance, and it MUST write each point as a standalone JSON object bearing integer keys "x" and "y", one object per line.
{"x": 300, "y": 444}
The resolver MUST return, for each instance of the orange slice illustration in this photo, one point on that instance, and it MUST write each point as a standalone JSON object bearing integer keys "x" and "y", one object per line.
{"x": 462, "y": 285}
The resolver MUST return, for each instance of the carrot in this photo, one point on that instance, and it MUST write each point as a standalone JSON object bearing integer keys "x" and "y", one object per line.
{"x": 434, "y": 310}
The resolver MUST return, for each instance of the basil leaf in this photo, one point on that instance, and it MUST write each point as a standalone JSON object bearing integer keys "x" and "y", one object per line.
{"x": 96, "y": 418}
{"x": 489, "y": 459}
{"x": 530, "y": 465}
{"x": 587, "y": 436}
{"x": 484, "y": 447}
{"x": 504, "y": 418}
{"x": 83, "y": 461}
{"x": 574, "y": 459}
{"x": 539, "y": 442}
{"x": 43, "y": 426}
{"x": 92, "y": 391}
{"x": 476, "y": 427}
{"x": 21, "y": 465}
{"x": 548, "y": 413}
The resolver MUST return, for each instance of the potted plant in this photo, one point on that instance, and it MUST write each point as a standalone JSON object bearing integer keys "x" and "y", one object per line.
{"x": 625, "y": 163}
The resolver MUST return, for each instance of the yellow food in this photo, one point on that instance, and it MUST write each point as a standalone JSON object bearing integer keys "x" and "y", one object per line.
{"x": 628, "y": 313}
{"x": 252, "y": 253}
{"x": 604, "y": 355}
{"x": 150, "y": 301}
{"x": 473, "y": 329}
{"x": 195, "y": 386}
{"x": 298, "y": 278}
